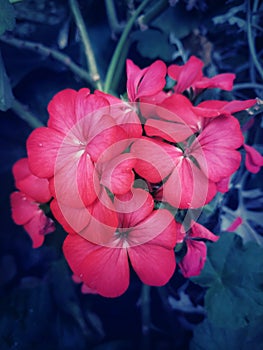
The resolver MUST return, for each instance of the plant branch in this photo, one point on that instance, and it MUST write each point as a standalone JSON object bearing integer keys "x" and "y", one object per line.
{"x": 22, "y": 111}
{"x": 91, "y": 62}
{"x": 116, "y": 27}
{"x": 48, "y": 52}
{"x": 118, "y": 51}
{"x": 251, "y": 42}
{"x": 155, "y": 10}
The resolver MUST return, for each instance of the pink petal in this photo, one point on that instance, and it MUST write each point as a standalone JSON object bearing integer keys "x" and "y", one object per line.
{"x": 158, "y": 228}
{"x": 253, "y": 160}
{"x": 43, "y": 146}
{"x": 221, "y": 81}
{"x": 90, "y": 106}
{"x": 228, "y": 107}
{"x": 133, "y": 207}
{"x": 172, "y": 132}
{"x": 31, "y": 185}
{"x": 189, "y": 74}
{"x": 38, "y": 227}
{"x": 153, "y": 81}
{"x": 235, "y": 224}
{"x": 23, "y": 208}
{"x": 154, "y": 162}
{"x": 62, "y": 111}
{"x": 215, "y": 148}
{"x": 154, "y": 261}
{"x": 223, "y": 185}
{"x": 134, "y": 75}
{"x": 194, "y": 260}
{"x": 106, "y": 270}
{"x": 199, "y": 231}
{"x": 188, "y": 187}
{"x": 177, "y": 108}
{"x": 117, "y": 174}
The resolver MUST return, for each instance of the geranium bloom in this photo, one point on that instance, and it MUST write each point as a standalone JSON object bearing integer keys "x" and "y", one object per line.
{"x": 25, "y": 203}
{"x": 191, "y": 75}
{"x": 145, "y": 237}
{"x": 253, "y": 159}
{"x": 196, "y": 166}
{"x": 194, "y": 260}
{"x": 146, "y": 82}
{"x": 80, "y": 134}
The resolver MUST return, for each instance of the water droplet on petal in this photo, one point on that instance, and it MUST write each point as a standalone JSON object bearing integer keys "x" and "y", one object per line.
{"x": 81, "y": 275}
{"x": 40, "y": 144}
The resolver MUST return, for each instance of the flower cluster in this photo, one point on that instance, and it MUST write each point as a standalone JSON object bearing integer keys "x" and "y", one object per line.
{"x": 122, "y": 172}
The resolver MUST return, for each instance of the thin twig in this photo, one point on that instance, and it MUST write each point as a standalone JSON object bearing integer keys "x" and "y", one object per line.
{"x": 251, "y": 43}
{"x": 247, "y": 86}
{"x": 91, "y": 62}
{"x": 25, "y": 114}
{"x": 48, "y": 52}
{"x": 116, "y": 27}
{"x": 118, "y": 51}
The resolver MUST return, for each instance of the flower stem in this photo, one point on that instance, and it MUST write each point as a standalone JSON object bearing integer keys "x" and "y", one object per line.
{"x": 91, "y": 62}
{"x": 118, "y": 51}
{"x": 116, "y": 27}
{"x": 251, "y": 42}
{"x": 146, "y": 315}
{"x": 25, "y": 115}
{"x": 48, "y": 52}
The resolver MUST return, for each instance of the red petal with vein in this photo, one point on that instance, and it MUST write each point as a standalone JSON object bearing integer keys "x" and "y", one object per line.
{"x": 91, "y": 106}
{"x": 43, "y": 145}
{"x": 134, "y": 75}
{"x": 38, "y": 227}
{"x": 223, "y": 185}
{"x": 31, "y": 185}
{"x": 214, "y": 148}
{"x": 228, "y": 107}
{"x": 117, "y": 174}
{"x": 103, "y": 221}
{"x": 253, "y": 160}
{"x": 154, "y": 162}
{"x": 172, "y": 132}
{"x": 153, "y": 80}
{"x": 177, "y": 108}
{"x": 221, "y": 81}
{"x": 188, "y": 187}
{"x": 158, "y": 228}
{"x": 62, "y": 111}
{"x": 23, "y": 208}
{"x": 73, "y": 220}
{"x": 75, "y": 249}
{"x": 106, "y": 270}
{"x": 133, "y": 207}
{"x": 189, "y": 74}
{"x": 199, "y": 231}
{"x": 194, "y": 260}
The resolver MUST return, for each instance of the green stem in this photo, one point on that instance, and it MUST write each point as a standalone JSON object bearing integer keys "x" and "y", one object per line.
{"x": 155, "y": 11}
{"x": 251, "y": 43}
{"x": 146, "y": 315}
{"x": 247, "y": 86}
{"x": 25, "y": 115}
{"x": 118, "y": 51}
{"x": 48, "y": 52}
{"x": 116, "y": 27}
{"x": 91, "y": 62}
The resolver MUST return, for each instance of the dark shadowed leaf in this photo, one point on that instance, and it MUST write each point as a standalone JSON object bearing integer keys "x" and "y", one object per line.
{"x": 7, "y": 16}
{"x": 233, "y": 274}
{"x": 6, "y": 95}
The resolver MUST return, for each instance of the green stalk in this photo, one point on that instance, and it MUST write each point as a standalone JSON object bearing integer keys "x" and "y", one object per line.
{"x": 91, "y": 62}
{"x": 25, "y": 115}
{"x": 118, "y": 51}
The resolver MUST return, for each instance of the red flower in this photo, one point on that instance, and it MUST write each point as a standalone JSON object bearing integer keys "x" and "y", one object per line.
{"x": 253, "y": 160}
{"x": 25, "y": 204}
{"x": 190, "y": 75}
{"x": 196, "y": 166}
{"x": 145, "y": 82}
{"x": 194, "y": 260}
{"x": 144, "y": 237}
{"x": 80, "y": 135}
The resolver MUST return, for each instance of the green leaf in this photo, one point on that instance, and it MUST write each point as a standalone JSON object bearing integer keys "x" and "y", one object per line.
{"x": 6, "y": 95}
{"x": 207, "y": 336}
{"x": 153, "y": 44}
{"x": 233, "y": 274}
{"x": 7, "y": 16}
